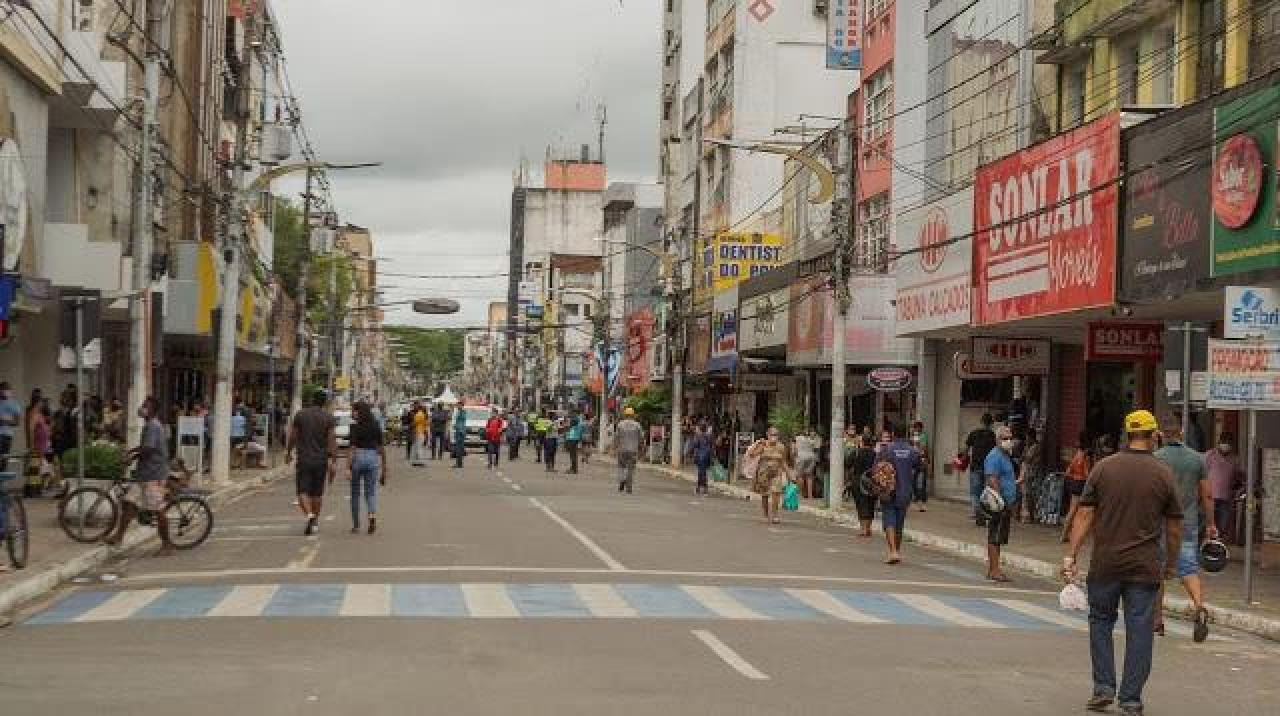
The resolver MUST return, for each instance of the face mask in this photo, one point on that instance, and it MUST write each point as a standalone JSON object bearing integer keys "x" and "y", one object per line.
{"x": 1006, "y": 445}
{"x": 1224, "y": 447}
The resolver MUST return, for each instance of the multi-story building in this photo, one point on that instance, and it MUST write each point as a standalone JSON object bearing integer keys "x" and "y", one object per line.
{"x": 634, "y": 263}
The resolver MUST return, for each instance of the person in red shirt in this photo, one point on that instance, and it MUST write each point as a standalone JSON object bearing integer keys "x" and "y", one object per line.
{"x": 494, "y": 427}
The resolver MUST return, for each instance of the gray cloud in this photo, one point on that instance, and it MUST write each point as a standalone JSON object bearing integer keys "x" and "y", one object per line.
{"x": 449, "y": 94}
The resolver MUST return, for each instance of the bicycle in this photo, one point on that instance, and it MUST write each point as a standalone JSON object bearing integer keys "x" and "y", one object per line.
{"x": 13, "y": 518}
{"x": 97, "y": 512}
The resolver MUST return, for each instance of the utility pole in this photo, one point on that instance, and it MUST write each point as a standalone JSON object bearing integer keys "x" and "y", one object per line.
{"x": 304, "y": 263}
{"x": 144, "y": 202}
{"x": 605, "y": 316}
{"x": 677, "y": 338}
{"x": 843, "y": 229}
{"x": 232, "y": 245}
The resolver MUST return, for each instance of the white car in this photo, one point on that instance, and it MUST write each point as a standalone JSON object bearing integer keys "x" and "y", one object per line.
{"x": 477, "y": 416}
{"x": 342, "y": 428}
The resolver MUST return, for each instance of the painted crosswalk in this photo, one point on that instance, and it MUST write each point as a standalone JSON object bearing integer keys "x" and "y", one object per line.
{"x": 554, "y": 601}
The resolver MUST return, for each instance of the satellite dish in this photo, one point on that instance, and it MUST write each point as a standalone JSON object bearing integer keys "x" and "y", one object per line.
{"x": 436, "y": 306}
{"x": 13, "y": 202}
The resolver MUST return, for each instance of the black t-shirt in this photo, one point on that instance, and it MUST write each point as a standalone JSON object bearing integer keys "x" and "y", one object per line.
{"x": 313, "y": 426}
{"x": 439, "y": 418}
{"x": 980, "y": 442}
{"x": 366, "y": 435}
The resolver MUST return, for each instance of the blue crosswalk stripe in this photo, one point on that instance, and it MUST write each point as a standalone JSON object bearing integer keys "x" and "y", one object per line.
{"x": 554, "y": 601}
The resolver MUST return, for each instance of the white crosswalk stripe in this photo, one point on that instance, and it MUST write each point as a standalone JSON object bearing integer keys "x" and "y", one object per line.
{"x": 1044, "y": 614}
{"x": 366, "y": 600}
{"x": 245, "y": 601}
{"x": 721, "y": 603}
{"x": 121, "y": 606}
{"x": 831, "y": 606}
{"x": 936, "y": 608}
{"x": 604, "y": 601}
{"x": 489, "y": 601}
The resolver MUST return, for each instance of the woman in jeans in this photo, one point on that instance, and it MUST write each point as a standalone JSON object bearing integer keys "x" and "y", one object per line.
{"x": 368, "y": 465}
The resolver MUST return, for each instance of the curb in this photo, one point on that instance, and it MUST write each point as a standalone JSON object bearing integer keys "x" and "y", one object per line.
{"x": 42, "y": 583}
{"x": 1174, "y": 606}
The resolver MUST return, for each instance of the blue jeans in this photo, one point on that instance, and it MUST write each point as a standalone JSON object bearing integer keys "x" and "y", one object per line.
{"x": 492, "y": 450}
{"x": 1140, "y": 603}
{"x": 365, "y": 470}
{"x": 976, "y": 485}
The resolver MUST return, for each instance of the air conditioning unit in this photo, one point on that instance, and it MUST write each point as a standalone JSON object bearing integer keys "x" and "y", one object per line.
{"x": 276, "y": 145}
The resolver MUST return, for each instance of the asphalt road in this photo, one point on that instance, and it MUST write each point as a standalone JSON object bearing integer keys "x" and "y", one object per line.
{"x": 492, "y": 592}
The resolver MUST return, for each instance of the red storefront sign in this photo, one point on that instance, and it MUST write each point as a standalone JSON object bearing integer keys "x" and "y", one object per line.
{"x": 1045, "y": 226}
{"x": 1138, "y": 342}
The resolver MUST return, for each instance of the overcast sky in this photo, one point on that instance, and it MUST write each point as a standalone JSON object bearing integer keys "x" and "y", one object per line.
{"x": 449, "y": 94}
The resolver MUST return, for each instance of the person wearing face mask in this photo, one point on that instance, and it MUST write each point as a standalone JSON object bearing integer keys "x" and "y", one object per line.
{"x": 1222, "y": 466}
{"x": 1000, "y": 476}
{"x": 149, "y": 491}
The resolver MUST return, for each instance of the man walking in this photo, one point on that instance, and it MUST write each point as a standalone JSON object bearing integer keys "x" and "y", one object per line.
{"x": 493, "y": 430}
{"x": 439, "y": 426}
{"x": 459, "y": 435}
{"x": 515, "y": 434}
{"x": 313, "y": 436}
{"x": 1222, "y": 467}
{"x": 893, "y": 507}
{"x": 572, "y": 439}
{"x": 149, "y": 492}
{"x": 1129, "y": 500}
{"x": 406, "y": 429}
{"x": 998, "y": 471}
{"x": 627, "y": 436}
{"x": 979, "y": 442}
{"x": 1192, "y": 481}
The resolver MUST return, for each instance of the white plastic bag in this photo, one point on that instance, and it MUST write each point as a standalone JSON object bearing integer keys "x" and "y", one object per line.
{"x": 1073, "y": 598}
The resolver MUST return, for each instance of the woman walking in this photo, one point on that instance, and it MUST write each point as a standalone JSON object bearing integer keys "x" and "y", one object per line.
{"x": 773, "y": 468}
{"x": 860, "y": 456}
{"x": 368, "y": 465}
{"x": 1077, "y": 474}
{"x": 572, "y": 439}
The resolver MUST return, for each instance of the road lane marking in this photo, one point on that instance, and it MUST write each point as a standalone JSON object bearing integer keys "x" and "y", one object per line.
{"x": 940, "y": 610}
{"x": 517, "y": 488}
{"x": 366, "y": 600}
{"x": 121, "y": 606}
{"x": 245, "y": 601}
{"x": 1044, "y": 614}
{"x": 476, "y": 568}
{"x": 831, "y": 606}
{"x": 604, "y": 601}
{"x": 307, "y": 556}
{"x": 488, "y": 601}
{"x": 721, "y": 603}
{"x": 591, "y": 546}
{"x": 729, "y": 656}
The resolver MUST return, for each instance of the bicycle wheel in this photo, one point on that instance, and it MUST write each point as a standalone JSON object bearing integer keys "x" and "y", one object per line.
{"x": 190, "y": 521}
{"x": 87, "y": 514}
{"x": 16, "y": 540}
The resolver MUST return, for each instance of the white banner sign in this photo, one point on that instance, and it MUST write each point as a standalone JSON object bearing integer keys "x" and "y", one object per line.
{"x": 935, "y": 267}
{"x": 1244, "y": 375}
{"x": 1010, "y": 356}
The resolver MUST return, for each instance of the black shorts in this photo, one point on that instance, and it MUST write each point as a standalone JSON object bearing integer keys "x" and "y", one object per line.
{"x": 1075, "y": 487}
{"x": 998, "y": 527}
{"x": 310, "y": 478}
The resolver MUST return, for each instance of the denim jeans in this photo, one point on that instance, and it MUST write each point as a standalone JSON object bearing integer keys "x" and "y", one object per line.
{"x": 492, "y": 451}
{"x": 1140, "y": 603}
{"x": 976, "y": 484}
{"x": 364, "y": 481}
{"x": 437, "y": 445}
{"x": 549, "y": 446}
{"x": 571, "y": 446}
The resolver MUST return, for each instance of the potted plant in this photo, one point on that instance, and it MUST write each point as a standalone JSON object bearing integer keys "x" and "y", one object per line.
{"x": 788, "y": 418}
{"x": 103, "y": 463}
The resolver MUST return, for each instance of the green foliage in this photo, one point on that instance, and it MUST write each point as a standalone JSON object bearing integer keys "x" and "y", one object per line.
{"x": 290, "y": 243}
{"x": 102, "y": 461}
{"x": 325, "y": 307}
{"x": 788, "y": 418}
{"x": 309, "y": 391}
{"x": 432, "y": 352}
{"x": 650, "y": 404}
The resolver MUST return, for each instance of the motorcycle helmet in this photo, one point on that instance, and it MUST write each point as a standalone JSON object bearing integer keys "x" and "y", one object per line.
{"x": 1214, "y": 556}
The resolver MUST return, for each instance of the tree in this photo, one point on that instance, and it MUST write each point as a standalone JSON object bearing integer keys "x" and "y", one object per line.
{"x": 433, "y": 353}
{"x": 650, "y": 404}
{"x": 290, "y": 242}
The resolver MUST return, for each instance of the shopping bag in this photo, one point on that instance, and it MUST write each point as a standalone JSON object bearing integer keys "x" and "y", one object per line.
{"x": 1073, "y": 598}
{"x": 791, "y": 497}
{"x": 718, "y": 473}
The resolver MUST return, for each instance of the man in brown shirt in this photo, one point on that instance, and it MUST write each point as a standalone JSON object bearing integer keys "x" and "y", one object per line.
{"x": 1129, "y": 502}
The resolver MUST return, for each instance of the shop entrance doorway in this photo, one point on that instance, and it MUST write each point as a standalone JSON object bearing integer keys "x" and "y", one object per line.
{"x": 1112, "y": 393}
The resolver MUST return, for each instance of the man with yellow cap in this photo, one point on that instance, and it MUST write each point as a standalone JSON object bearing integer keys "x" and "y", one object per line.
{"x": 627, "y": 437}
{"x": 1129, "y": 501}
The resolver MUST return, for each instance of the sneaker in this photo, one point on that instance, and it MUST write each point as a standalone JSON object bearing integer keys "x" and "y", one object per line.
{"x": 1131, "y": 709}
{"x": 1099, "y": 702}
{"x": 373, "y": 525}
{"x": 311, "y": 527}
{"x": 1200, "y": 631}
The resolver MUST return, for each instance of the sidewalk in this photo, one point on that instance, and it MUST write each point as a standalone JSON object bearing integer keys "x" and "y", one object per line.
{"x": 54, "y": 558}
{"x": 1037, "y": 550}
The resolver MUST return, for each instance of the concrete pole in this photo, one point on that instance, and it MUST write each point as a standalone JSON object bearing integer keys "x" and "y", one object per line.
{"x": 232, "y": 246}
{"x": 843, "y": 229}
{"x": 299, "y": 364}
{"x": 143, "y": 238}
{"x": 677, "y": 368}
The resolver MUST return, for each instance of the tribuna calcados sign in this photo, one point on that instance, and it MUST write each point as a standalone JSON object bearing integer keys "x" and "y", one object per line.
{"x": 1045, "y": 226}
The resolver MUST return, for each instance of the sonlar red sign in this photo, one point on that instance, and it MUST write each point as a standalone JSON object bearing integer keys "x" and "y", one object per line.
{"x": 1115, "y": 341}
